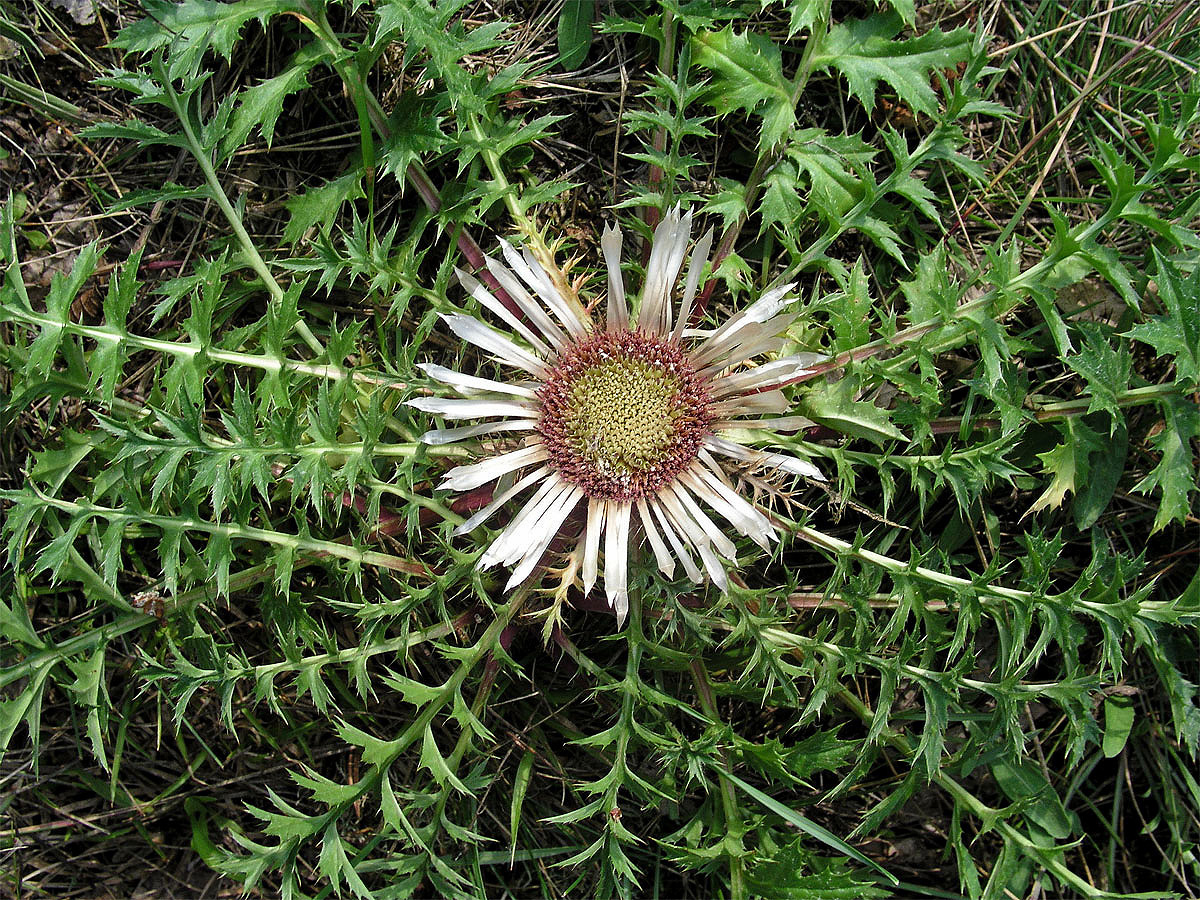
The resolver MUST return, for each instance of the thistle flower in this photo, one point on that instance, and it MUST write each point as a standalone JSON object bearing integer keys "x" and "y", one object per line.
{"x": 630, "y": 419}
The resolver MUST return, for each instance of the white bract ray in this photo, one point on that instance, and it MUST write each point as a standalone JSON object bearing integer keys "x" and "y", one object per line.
{"x": 473, "y": 384}
{"x": 466, "y": 478}
{"x": 618, "y": 312}
{"x": 488, "y": 300}
{"x": 453, "y": 408}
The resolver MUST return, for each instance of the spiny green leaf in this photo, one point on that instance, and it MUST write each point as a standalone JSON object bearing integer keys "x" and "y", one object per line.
{"x": 747, "y": 75}
{"x": 793, "y": 873}
{"x": 803, "y": 15}
{"x": 64, "y": 288}
{"x": 330, "y": 793}
{"x": 54, "y": 466}
{"x": 335, "y": 865}
{"x": 261, "y": 105}
{"x": 1105, "y": 368}
{"x": 432, "y": 759}
{"x": 839, "y": 405}
{"x": 135, "y": 130}
{"x": 1067, "y": 464}
{"x": 25, "y": 707}
{"x": 820, "y": 752}
{"x": 375, "y": 751}
{"x": 932, "y": 293}
{"x": 319, "y": 206}
{"x": 15, "y": 624}
{"x": 88, "y": 688}
{"x": 1177, "y": 333}
{"x": 415, "y": 134}
{"x": 1175, "y": 474}
{"x": 187, "y": 30}
{"x": 866, "y": 52}
{"x": 431, "y": 33}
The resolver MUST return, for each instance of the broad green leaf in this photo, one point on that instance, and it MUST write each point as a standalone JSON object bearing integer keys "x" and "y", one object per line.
{"x": 520, "y": 787}
{"x": 1023, "y": 781}
{"x": 1118, "y": 723}
{"x": 575, "y": 32}
{"x": 1105, "y": 466}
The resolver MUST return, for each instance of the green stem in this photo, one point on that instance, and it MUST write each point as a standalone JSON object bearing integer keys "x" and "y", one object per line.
{"x": 485, "y": 646}
{"x": 110, "y": 334}
{"x": 242, "y": 532}
{"x": 366, "y": 103}
{"x": 533, "y": 237}
{"x": 666, "y": 55}
{"x": 733, "y": 819}
{"x": 958, "y": 321}
{"x": 464, "y": 742}
{"x": 492, "y": 159}
{"x": 57, "y": 653}
{"x": 767, "y": 159}
{"x": 986, "y": 814}
{"x": 786, "y": 640}
{"x": 356, "y": 448}
{"x": 397, "y": 645}
{"x": 231, "y": 215}
{"x": 415, "y": 174}
{"x": 1063, "y": 409}
{"x": 895, "y": 566}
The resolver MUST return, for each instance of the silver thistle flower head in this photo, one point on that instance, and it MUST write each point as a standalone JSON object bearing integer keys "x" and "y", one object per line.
{"x": 633, "y": 418}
